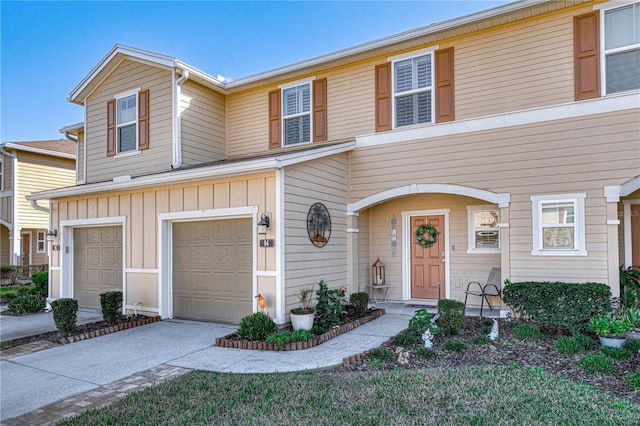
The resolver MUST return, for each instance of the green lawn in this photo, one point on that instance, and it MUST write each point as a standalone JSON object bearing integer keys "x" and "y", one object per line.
{"x": 11, "y": 292}
{"x": 464, "y": 396}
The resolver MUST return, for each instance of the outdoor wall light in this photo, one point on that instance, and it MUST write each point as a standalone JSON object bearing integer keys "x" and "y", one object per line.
{"x": 263, "y": 224}
{"x": 52, "y": 234}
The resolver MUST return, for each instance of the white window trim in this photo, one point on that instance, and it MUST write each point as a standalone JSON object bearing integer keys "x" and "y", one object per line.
{"x": 471, "y": 234}
{"x": 289, "y": 85}
{"x": 603, "y": 52}
{"x": 118, "y": 97}
{"x": 43, "y": 241}
{"x": 410, "y": 55}
{"x": 579, "y": 224}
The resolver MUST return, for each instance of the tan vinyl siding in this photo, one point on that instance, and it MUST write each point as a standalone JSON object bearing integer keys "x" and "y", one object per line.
{"x": 5, "y": 246}
{"x": 6, "y": 209}
{"x": 203, "y": 118}
{"x": 350, "y": 110}
{"x": 563, "y": 156}
{"x": 38, "y": 172}
{"x": 128, "y": 76}
{"x": 8, "y": 173}
{"x": 323, "y": 181}
{"x": 80, "y": 157}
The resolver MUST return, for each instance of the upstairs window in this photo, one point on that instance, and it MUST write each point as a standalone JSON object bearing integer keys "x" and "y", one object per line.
{"x": 128, "y": 123}
{"x": 412, "y": 90}
{"x": 622, "y": 48}
{"x": 484, "y": 233}
{"x": 296, "y": 114}
{"x": 558, "y": 225}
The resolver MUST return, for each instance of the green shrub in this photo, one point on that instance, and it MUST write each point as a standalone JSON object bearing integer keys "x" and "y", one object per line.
{"x": 481, "y": 340}
{"x": 615, "y": 353}
{"x": 634, "y": 380}
{"x": 328, "y": 307}
{"x": 280, "y": 338}
{"x": 40, "y": 284}
{"x": 256, "y": 326}
{"x": 360, "y": 302}
{"x": 596, "y": 363}
{"x": 633, "y": 346}
{"x": 65, "y": 314}
{"x": 26, "y": 304}
{"x": 574, "y": 344}
{"x": 559, "y": 304}
{"x": 381, "y": 354}
{"x": 301, "y": 335}
{"x": 527, "y": 332}
{"x": 421, "y": 322}
{"x": 111, "y": 303}
{"x": 317, "y": 330}
{"x": 426, "y": 353}
{"x": 454, "y": 345}
{"x": 451, "y": 315}
{"x": 406, "y": 339}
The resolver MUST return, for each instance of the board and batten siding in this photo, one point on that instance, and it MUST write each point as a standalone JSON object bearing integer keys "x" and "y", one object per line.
{"x": 6, "y": 208}
{"x": 37, "y": 172}
{"x": 130, "y": 75}
{"x": 203, "y": 119}
{"x": 7, "y": 177}
{"x": 581, "y": 154}
{"x": 141, "y": 209}
{"x": 5, "y": 246}
{"x": 319, "y": 181}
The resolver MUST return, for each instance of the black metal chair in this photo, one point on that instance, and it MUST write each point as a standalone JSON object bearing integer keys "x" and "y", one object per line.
{"x": 493, "y": 287}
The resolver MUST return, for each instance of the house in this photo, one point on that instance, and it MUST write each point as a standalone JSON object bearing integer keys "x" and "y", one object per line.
{"x": 513, "y": 133}
{"x": 27, "y": 167}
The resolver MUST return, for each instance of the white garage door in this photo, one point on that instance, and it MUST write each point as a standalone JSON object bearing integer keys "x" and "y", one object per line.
{"x": 212, "y": 270}
{"x": 97, "y": 263}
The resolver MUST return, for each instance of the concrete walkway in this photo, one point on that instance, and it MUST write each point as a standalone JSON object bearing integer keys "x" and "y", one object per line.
{"x": 44, "y": 386}
{"x": 15, "y": 327}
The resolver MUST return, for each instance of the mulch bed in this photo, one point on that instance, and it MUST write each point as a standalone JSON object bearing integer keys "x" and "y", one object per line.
{"x": 507, "y": 350}
{"x": 84, "y": 331}
{"x": 234, "y": 341}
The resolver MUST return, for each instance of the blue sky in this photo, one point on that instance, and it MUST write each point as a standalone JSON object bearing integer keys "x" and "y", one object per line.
{"x": 47, "y": 48}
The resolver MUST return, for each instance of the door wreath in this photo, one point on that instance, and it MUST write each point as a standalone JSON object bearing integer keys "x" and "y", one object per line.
{"x": 426, "y": 235}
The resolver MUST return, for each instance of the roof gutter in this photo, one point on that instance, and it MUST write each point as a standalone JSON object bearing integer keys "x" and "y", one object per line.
{"x": 177, "y": 121}
{"x": 34, "y": 204}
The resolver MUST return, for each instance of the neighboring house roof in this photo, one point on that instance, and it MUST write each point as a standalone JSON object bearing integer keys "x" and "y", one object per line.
{"x": 204, "y": 171}
{"x": 63, "y": 148}
{"x": 500, "y": 15}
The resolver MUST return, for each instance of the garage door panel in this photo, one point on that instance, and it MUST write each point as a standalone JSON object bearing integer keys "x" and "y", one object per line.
{"x": 97, "y": 263}
{"x": 213, "y": 269}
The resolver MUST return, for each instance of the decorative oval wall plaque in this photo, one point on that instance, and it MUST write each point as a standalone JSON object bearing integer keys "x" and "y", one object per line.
{"x": 319, "y": 225}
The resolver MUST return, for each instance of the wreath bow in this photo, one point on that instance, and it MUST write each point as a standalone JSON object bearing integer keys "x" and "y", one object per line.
{"x": 426, "y": 235}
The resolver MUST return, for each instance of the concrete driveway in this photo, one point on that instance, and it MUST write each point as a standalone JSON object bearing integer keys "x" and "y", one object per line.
{"x": 32, "y": 381}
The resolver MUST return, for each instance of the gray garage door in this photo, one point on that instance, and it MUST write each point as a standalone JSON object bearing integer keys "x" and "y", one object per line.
{"x": 212, "y": 270}
{"x": 97, "y": 263}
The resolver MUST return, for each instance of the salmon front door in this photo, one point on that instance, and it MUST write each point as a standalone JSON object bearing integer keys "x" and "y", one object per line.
{"x": 428, "y": 263}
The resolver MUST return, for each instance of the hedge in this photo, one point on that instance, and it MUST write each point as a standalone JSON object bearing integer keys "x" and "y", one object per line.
{"x": 560, "y": 304}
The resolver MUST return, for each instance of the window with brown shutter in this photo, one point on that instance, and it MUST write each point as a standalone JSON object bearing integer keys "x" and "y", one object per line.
{"x": 383, "y": 97}
{"x": 444, "y": 85}
{"x": 320, "y": 110}
{"x": 275, "y": 111}
{"x": 586, "y": 37}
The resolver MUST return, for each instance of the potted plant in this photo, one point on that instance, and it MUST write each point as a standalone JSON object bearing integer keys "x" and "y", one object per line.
{"x": 610, "y": 330}
{"x": 302, "y": 317}
{"x": 632, "y": 316}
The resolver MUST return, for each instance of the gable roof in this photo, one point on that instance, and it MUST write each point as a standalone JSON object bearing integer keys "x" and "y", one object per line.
{"x": 511, "y": 12}
{"x": 62, "y": 148}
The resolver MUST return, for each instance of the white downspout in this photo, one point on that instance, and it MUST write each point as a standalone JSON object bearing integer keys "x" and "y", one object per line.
{"x": 75, "y": 140}
{"x": 34, "y": 204}
{"x": 177, "y": 124}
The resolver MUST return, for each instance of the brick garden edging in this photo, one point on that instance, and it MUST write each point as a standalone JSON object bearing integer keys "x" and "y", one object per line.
{"x": 108, "y": 330}
{"x": 232, "y": 341}
{"x": 347, "y": 361}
